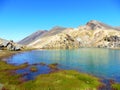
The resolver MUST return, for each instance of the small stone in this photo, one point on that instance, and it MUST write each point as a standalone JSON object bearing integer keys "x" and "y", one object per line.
{"x": 87, "y": 82}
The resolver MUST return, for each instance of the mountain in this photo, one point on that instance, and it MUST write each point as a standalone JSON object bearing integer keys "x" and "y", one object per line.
{"x": 40, "y": 34}
{"x": 118, "y": 28}
{"x": 92, "y": 34}
{"x": 33, "y": 37}
{"x": 93, "y": 25}
{"x": 55, "y": 30}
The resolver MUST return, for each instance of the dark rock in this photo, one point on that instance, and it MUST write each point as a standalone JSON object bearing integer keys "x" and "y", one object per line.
{"x": 114, "y": 41}
{"x": 10, "y": 47}
{"x": 1, "y": 46}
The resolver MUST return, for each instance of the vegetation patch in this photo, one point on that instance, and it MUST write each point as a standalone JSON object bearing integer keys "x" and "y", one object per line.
{"x": 62, "y": 80}
{"x": 8, "y": 76}
{"x": 116, "y": 86}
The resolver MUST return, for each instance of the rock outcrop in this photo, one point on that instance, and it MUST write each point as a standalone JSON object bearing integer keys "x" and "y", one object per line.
{"x": 62, "y": 41}
{"x": 10, "y": 45}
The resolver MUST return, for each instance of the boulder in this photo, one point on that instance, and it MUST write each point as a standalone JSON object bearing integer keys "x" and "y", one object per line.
{"x": 11, "y": 47}
{"x": 5, "y": 43}
{"x": 17, "y": 48}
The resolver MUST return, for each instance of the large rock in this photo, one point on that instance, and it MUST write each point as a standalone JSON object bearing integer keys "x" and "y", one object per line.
{"x": 5, "y": 43}
{"x": 10, "y": 45}
{"x": 17, "y": 47}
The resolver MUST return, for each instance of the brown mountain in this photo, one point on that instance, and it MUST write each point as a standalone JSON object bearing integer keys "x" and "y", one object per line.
{"x": 93, "y": 25}
{"x": 93, "y": 34}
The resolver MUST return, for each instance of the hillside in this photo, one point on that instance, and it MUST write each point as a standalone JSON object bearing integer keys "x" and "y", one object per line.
{"x": 33, "y": 37}
{"x": 93, "y": 34}
{"x": 40, "y": 34}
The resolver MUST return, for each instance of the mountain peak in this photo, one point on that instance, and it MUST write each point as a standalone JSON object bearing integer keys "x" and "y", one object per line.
{"x": 93, "y": 21}
{"x": 58, "y": 27}
{"x": 94, "y": 24}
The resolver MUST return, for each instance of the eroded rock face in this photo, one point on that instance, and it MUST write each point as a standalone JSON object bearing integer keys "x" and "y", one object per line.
{"x": 10, "y": 45}
{"x": 62, "y": 41}
{"x": 113, "y": 41}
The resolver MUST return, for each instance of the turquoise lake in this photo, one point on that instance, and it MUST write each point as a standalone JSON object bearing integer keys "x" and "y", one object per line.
{"x": 103, "y": 63}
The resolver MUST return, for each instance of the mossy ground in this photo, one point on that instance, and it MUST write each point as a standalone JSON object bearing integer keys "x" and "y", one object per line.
{"x": 62, "y": 80}
{"x": 116, "y": 86}
{"x": 7, "y": 74}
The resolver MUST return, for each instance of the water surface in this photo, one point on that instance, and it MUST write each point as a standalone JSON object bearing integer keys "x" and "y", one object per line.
{"x": 104, "y": 63}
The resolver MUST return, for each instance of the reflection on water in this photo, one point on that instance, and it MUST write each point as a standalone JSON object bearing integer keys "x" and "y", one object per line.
{"x": 99, "y": 62}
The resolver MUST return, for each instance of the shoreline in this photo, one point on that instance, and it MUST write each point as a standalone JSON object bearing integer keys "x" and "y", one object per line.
{"x": 6, "y": 53}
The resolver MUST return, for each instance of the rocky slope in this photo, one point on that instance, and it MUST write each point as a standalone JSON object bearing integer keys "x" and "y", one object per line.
{"x": 93, "y": 34}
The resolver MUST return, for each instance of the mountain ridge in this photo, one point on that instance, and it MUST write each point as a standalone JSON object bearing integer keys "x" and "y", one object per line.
{"x": 40, "y": 34}
{"x": 92, "y": 34}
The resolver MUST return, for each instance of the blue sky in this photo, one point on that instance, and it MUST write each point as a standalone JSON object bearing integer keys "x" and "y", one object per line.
{"x": 19, "y": 18}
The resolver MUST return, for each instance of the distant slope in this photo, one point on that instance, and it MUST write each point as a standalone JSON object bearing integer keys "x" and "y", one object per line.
{"x": 118, "y": 28}
{"x": 33, "y": 37}
{"x": 55, "y": 30}
{"x": 40, "y": 34}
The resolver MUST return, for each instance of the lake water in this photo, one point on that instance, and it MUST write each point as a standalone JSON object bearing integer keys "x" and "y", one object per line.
{"x": 104, "y": 63}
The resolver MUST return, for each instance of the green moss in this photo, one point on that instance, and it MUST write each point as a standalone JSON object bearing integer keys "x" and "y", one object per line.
{"x": 116, "y": 86}
{"x": 62, "y": 80}
{"x": 7, "y": 74}
{"x": 4, "y": 66}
